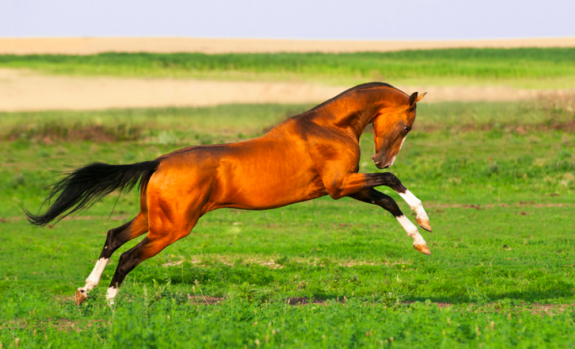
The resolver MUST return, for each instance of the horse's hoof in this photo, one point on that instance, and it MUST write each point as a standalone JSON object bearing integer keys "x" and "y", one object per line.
{"x": 80, "y": 297}
{"x": 424, "y": 223}
{"x": 423, "y": 249}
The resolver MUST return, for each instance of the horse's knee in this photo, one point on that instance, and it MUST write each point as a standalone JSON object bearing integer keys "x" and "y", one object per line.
{"x": 124, "y": 258}
{"x": 394, "y": 183}
{"x": 129, "y": 259}
{"x": 111, "y": 244}
{"x": 110, "y": 240}
{"x": 114, "y": 239}
{"x": 390, "y": 205}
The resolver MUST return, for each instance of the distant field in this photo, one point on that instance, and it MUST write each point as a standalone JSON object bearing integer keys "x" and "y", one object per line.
{"x": 497, "y": 179}
{"x": 226, "y": 123}
{"x": 93, "y": 45}
{"x": 519, "y": 67}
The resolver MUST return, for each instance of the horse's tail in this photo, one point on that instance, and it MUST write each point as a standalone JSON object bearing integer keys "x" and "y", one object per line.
{"x": 81, "y": 188}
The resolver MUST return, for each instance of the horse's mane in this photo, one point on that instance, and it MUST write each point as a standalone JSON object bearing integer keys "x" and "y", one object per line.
{"x": 365, "y": 86}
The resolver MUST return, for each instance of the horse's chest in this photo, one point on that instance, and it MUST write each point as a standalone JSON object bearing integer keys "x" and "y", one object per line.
{"x": 316, "y": 189}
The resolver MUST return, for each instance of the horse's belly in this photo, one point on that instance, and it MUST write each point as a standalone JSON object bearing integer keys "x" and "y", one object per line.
{"x": 261, "y": 187}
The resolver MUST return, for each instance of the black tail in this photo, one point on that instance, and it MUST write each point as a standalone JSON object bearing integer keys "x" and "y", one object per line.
{"x": 81, "y": 188}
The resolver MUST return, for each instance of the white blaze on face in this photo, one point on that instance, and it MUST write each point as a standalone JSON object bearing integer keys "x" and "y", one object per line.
{"x": 411, "y": 230}
{"x": 401, "y": 145}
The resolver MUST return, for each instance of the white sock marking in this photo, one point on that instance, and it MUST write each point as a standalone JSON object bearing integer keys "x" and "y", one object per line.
{"x": 110, "y": 294}
{"x": 94, "y": 278}
{"x": 415, "y": 204}
{"x": 411, "y": 230}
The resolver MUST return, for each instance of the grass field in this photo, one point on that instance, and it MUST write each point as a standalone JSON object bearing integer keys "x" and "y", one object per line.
{"x": 227, "y": 123}
{"x": 521, "y": 67}
{"x": 497, "y": 180}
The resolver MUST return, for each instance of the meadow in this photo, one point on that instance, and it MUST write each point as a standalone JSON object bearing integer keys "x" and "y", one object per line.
{"x": 521, "y": 67}
{"x": 497, "y": 180}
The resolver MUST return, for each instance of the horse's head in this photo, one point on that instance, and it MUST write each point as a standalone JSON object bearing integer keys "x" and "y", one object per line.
{"x": 391, "y": 126}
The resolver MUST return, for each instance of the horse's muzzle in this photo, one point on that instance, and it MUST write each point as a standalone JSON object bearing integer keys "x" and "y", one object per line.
{"x": 379, "y": 162}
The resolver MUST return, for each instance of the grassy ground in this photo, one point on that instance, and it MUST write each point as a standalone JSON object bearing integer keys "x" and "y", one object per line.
{"x": 522, "y": 67}
{"x": 228, "y": 123}
{"x": 324, "y": 273}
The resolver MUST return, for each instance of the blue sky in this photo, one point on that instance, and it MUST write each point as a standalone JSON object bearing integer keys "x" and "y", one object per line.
{"x": 351, "y": 19}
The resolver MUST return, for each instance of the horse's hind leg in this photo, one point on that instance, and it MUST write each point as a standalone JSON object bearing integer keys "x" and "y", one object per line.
{"x": 152, "y": 244}
{"x": 171, "y": 217}
{"x": 116, "y": 237}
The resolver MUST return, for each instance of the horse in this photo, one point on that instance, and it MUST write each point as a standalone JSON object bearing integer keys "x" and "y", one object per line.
{"x": 307, "y": 156}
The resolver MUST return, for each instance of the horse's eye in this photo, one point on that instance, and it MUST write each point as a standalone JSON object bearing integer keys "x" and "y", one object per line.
{"x": 406, "y": 129}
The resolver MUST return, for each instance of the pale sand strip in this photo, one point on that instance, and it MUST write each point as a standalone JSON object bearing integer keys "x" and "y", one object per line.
{"x": 28, "y": 91}
{"x": 85, "y": 46}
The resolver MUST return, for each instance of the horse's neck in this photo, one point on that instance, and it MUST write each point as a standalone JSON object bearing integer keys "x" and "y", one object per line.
{"x": 352, "y": 114}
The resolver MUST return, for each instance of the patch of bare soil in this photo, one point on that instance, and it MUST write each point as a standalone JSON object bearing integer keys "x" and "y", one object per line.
{"x": 50, "y": 134}
{"x": 205, "y": 299}
{"x": 549, "y": 309}
{"x": 29, "y": 91}
{"x": 87, "y": 218}
{"x": 534, "y": 309}
{"x": 556, "y": 125}
{"x": 71, "y": 218}
{"x": 86, "y": 46}
{"x": 305, "y": 301}
{"x": 232, "y": 261}
{"x": 519, "y": 204}
{"x": 271, "y": 263}
{"x": 59, "y": 324}
{"x": 440, "y": 305}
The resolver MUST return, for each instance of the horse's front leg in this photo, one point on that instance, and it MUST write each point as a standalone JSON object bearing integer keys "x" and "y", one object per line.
{"x": 372, "y": 196}
{"x": 354, "y": 183}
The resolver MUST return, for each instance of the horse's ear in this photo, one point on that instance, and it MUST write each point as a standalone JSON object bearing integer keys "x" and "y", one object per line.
{"x": 420, "y": 97}
{"x": 412, "y": 100}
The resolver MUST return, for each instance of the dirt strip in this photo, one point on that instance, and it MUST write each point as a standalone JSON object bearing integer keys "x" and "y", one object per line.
{"x": 520, "y": 204}
{"x": 24, "y": 90}
{"x": 427, "y": 205}
{"x": 534, "y": 309}
{"x": 28, "y": 91}
{"x": 86, "y": 46}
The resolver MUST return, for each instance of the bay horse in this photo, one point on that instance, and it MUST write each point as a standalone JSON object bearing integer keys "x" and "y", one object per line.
{"x": 307, "y": 156}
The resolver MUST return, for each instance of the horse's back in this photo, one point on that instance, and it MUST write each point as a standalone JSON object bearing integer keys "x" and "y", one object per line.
{"x": 266, "y": 172}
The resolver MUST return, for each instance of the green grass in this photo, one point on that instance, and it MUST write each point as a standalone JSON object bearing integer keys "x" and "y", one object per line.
{"x": 500, "y": 202}
{"x": 234, "y": 122}
{"x": 161, "y": 125}
{"x": 522, "y": 67}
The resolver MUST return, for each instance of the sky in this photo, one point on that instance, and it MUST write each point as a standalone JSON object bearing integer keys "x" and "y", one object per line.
{"x": 289, "y": 19}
